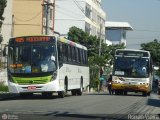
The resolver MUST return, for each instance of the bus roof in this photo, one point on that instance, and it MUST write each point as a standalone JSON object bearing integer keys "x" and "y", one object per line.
{"x": 64, "y": 40}
{"x": 132, "y": 52}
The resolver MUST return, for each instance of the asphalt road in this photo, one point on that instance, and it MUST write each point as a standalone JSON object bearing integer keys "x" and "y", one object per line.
{"x": 99, "y": 106}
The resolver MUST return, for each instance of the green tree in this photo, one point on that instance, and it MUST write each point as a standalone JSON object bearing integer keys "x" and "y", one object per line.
{"x": 2, "y": 6}
{"x": 154, "y": 48}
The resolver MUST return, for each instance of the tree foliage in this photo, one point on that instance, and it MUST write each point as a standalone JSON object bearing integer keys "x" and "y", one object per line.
{"x": 154, "y": 48}
{"x": 2, "y": 6}
{"x": 1, "y": 38}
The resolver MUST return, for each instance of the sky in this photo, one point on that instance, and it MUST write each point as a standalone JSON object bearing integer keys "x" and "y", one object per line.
{"x": 142, "y": 15}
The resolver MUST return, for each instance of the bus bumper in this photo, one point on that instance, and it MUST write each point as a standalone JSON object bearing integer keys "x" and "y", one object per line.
{"x": 34, "y": 88}
{"x": 131, "y": 88}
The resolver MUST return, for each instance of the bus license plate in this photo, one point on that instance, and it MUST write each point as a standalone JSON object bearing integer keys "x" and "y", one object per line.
{"x": 32, "y": 88}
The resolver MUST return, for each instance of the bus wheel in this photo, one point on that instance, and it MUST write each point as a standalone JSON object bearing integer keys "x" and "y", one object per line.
{"x": 80, "y": 90}
{"x": 47, "y": 94}
{"x": 73, "y": 92}
{"x": 149, "y": 93}
{"x": 116, "y": 92}
{"x": 61, "y": 94}
{"x": 144, "y": 94}
{"x": 125, "y": 92}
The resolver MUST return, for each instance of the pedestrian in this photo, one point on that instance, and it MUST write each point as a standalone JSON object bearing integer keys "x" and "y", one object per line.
{"x": 110, "y": 85}
{"x": 101, "y": 83}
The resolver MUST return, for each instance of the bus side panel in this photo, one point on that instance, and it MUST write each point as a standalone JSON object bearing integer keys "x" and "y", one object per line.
{"x": 73, "y": 75}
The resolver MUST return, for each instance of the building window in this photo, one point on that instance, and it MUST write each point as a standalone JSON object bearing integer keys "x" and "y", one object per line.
{"x": 88, "y": 11}
{"x": 87, "y": 27}
{"x": 94, "y": 15}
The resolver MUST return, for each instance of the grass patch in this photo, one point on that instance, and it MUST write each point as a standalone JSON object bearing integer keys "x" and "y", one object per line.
{"x": 3, "y": 87}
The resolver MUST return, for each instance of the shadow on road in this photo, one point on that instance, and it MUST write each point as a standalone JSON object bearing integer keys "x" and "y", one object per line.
{"x": 130, "y": 94}
{"x": 153, "y": 102}
{"x": 32, "y": 97}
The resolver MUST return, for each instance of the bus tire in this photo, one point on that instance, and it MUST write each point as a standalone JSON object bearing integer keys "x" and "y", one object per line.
{"x": 144, "y": 94}
{"x": 149, "y": 93}
{"x": 80, "y": 90}
{"x": 61, "y": 94}
{"x": 47, "y": 94}
{"x": 73, "y": 92}
{"x": 116, "y": 92}
{"x": 125, "y": 92}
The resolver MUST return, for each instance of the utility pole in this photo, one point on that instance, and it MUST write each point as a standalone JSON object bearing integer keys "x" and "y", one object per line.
{"x": 12, "y": 29}
{"x": 100, "y": 41}
{"x": 46, "y": 10}
{"x": 54, "y": 5}
{"x": 47, "y": 7}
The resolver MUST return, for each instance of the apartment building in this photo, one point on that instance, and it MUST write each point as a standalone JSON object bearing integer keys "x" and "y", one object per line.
{"x": 85, "y": 14}
{"x": 33, "y": 17}
{"x": 116, "y": 32}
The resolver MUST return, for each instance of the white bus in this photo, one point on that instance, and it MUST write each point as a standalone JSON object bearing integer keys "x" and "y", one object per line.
{"x": 132, "y": 72}
{"x": 46, "y": 64}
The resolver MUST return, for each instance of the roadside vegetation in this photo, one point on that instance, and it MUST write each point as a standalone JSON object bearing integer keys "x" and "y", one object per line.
{"x": 3, "y": 87}
{"x": 154, "y": 48}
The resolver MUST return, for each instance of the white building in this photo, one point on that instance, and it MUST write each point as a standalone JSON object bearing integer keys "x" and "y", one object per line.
{"x": 116, "y": 31}
{"x": 84, "y": 14}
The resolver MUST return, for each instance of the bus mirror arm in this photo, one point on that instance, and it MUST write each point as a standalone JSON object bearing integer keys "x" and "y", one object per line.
{"x": 60, "y": 63}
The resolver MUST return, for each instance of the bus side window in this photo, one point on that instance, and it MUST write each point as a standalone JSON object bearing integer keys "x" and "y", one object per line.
{"x": 86, "y": 57}
{"x": 77, "y": 55}
{"x": 80, "y": 56}
{"x": 83, "y": 56}
{"x": 64, "y": 52}
{"x": 60, "y": 53}
{"x": 69, "y": 53}
{"x": 73, "y": 54}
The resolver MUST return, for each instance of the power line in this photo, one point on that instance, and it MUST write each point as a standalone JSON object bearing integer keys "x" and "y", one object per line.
{"x": 64, "y": 11}
{"x": 79, "y": 6}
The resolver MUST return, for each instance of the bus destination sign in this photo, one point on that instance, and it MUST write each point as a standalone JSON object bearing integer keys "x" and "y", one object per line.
{"x": 32, "y": 39}
{"x": 133, "y": 53}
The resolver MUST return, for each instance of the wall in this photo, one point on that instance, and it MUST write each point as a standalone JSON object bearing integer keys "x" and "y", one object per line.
{"x": 27, "y": 17}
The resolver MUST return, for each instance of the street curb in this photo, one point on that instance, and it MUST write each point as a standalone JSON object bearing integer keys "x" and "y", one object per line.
{"x": 6, "y": 95}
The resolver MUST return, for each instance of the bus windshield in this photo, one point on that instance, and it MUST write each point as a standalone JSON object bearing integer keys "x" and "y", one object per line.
{"x": 32, "y": 58}
{"x": 131, "y": 67}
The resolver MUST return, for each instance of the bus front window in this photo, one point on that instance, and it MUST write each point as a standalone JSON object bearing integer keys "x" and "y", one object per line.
{"x": 133, "y": 67}
{"x": 32, "y": 59}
